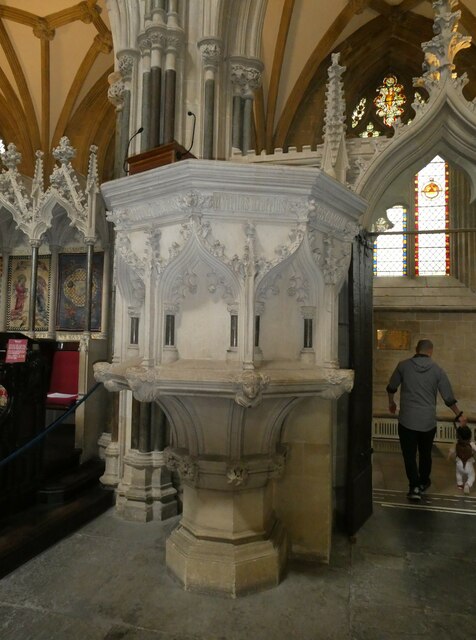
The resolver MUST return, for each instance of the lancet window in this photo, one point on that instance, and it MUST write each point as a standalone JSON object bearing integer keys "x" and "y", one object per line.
{"x": 420, "y": 244}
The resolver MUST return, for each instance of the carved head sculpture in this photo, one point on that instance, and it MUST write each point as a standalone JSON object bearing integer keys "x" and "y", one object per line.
{"x": 252, "y": 385}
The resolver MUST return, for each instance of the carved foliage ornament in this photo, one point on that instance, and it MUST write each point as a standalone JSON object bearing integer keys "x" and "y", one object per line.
{"x": 246, "y": 78}
{"x": 339, "y": 381}
{"x": 125, "y": 64}
{"x": 211, "y": 50}
{"x": 333, "y": 259}
{"x": 237, "y": 473}
{"x": 441, "y": 50}
{"x": 186, "y": 465}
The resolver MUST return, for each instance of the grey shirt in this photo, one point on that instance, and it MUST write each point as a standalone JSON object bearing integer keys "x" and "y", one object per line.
{"x": 420, "y": 379}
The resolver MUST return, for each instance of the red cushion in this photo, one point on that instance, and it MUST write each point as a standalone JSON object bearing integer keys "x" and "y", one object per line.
{"x": 60, "y": 402}
{"x": 64, "y": 373}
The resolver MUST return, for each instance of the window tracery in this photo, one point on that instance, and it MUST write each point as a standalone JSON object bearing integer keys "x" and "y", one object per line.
{"x": 370, "y": 132}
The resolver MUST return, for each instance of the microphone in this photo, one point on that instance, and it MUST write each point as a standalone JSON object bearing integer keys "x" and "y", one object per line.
{"x": 179, "y": 153}
{"x": 139, "y": 130}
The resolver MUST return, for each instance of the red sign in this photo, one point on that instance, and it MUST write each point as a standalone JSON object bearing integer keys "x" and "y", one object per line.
{"x": 16, "y": 350}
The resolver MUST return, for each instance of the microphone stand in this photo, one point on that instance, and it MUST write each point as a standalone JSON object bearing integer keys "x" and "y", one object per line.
{"x": 139, "y": 130}
{"x": 179, "y": 153}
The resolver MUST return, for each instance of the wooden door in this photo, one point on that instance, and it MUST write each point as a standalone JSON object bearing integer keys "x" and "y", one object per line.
{"x": 359, "y": 459}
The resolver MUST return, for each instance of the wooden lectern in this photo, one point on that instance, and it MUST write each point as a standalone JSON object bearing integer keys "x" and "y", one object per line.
{"x": 158, "y": 157}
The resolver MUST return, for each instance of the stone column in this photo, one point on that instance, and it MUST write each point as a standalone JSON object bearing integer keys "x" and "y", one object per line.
{"x": 53, "y": 293}
{"x": 116, "y": 96}
{"x": 110, "y": 445}
{"x": 105, "y": 301}
{"x": 170, "y": 84}
{"x": 211, "y": 51}
{"x": 246, "y": 78}
{"x": 158, "y": 41}
{"x": 35, "y": 245}
{"x": 238, "y": 82}
{"x": 145, "y": 50}
{"x": 126, "y": 66}
{"x": 163, "y": 492}
{"x": 134, "y": 492}
{"x": 89, "y": 283}
{"x": 335, "y": 260}
{"x": 4, "y": 289}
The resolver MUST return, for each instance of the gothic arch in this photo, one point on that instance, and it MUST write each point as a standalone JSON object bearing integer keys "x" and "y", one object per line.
{"x": 194, "y": 252}
{"x": 446, "y": 126}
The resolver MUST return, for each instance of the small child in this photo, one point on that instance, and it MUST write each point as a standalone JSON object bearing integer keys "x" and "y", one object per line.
{"x": 463, "y": 452}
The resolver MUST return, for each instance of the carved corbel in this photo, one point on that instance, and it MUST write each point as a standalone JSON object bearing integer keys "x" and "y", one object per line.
{"x": 108, "y": 374}
{"x": 339, "y": 381}
{"x": 144, "y": 383}
{"x": 251, "y": 387}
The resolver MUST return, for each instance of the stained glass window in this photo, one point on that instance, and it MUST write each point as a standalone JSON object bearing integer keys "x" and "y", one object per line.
{"x": 390, "y": 100}
{"x": 390, "y": 251}
{"x": 358, "y": 112}
{"x": 419, "y": 98}
{"x": 432, "y": 250}
{"x": 370, "y": 132}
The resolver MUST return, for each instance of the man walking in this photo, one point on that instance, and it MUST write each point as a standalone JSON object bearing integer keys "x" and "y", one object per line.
{"x": 420, "y": 379}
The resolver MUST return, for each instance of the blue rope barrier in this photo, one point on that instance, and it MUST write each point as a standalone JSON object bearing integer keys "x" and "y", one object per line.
{"x": 54, "y": 424}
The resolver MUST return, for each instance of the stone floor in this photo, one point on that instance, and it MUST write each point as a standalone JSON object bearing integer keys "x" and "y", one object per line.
{"x": 410, "y": 573}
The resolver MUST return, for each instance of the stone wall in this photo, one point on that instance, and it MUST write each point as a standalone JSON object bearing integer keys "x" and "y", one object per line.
{"x": 454, "y": 347}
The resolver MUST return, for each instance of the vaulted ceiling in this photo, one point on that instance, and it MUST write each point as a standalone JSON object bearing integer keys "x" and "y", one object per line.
{"x": 56, "y": 56}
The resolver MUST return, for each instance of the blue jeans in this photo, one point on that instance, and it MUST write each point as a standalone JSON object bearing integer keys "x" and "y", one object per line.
{"x": 410, "y": 442}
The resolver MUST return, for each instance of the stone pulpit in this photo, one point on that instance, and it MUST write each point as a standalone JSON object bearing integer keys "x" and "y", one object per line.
{"x": 226, "y": 319}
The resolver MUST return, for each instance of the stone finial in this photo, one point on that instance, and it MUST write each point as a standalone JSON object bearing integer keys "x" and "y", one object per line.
{"x": 37, "y": 187}
{"x": 93, "y": 178}
{"x": 334, "y": 155}
{"x": 11, "y": 158}
{"x": 441, "y": 50}
{"x": 64, "y": 152}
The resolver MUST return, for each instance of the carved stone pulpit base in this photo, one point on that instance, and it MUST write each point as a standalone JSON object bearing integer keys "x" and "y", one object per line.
{"x": 228, "y": 542}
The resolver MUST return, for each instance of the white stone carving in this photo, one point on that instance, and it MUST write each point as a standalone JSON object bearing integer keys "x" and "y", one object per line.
{"x": 186, "y": 465}
{"x": 441, "y": 50}
{"x": 211, "y": 51}
{"x": 237, "y": 473}
{"x": 32, "y": 212}
{"x": 252, "y": 385}
{"x": 246, "y": 75}
{"x": 339, "y": 381}
{"x": 126, "y": 64}
{"x": 335, "y": 161}
{"x": 116, "y": 90}
{"x": 185, "y": 282}
{"x": 299, "y": 287}
{"x": 217, "y": 284}
{"x": 333, "y": 258}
